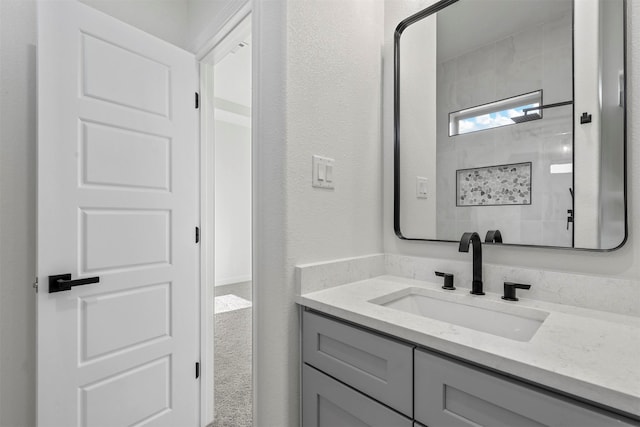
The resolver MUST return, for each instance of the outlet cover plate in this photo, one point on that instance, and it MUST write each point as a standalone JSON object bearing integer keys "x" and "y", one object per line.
{"x": 422, "y": 187}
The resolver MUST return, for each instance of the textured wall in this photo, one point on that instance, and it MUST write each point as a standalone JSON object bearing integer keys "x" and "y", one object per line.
{"x": 17, "y": 212}
{"x": 623, "y": 263}
{"x": 333, "y": 103}
{"x": 332, "y": 72}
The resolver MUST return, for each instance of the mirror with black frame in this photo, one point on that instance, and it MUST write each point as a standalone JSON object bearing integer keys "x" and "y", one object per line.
{"x": 510, "y": 115}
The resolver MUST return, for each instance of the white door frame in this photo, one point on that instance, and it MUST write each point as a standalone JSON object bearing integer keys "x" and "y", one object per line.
{"x": 219, "y": 44}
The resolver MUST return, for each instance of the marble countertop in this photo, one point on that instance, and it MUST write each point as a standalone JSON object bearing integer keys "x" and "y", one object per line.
{"x": 591, "y": 354}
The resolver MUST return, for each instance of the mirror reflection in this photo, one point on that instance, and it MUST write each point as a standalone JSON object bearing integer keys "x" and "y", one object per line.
{"x": 510, "y": 116}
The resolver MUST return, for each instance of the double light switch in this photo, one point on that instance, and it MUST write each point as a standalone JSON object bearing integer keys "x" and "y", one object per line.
{"x": 322, "y": 172}
{"x": 422, "y": 187}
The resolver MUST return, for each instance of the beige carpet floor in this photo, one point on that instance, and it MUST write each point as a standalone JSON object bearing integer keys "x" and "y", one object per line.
{"x": 232, "y": 374}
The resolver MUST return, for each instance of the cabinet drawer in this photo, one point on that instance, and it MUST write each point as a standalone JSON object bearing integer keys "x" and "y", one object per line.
{"x": 452, "y": 394}
{"x": 377, "y": 366}
{"x": 328, "y": 403}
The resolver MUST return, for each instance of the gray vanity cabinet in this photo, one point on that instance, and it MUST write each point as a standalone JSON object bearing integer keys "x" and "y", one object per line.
{"x": 352, "y": 377}
{"x": 329, "y": 403}
{"x": 379, "y": 367}
{"x": 452, "y": 394}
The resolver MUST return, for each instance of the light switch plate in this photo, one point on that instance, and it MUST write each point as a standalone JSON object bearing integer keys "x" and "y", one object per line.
{"x": 323, "y": 175}
{"x": 421, "y": 187}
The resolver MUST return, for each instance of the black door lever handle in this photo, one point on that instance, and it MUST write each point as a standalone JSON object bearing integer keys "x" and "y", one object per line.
{"x": 63, "y": 282}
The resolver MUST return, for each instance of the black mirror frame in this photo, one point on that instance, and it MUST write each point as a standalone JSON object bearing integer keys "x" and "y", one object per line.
{"x": 403, "y": 25}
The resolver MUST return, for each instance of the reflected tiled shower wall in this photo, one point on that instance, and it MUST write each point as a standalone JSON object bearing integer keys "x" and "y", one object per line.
{"x": 539, "y": 57}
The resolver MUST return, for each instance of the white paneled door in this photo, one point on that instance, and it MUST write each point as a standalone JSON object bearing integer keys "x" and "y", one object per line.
{"x": 117, "y": 200}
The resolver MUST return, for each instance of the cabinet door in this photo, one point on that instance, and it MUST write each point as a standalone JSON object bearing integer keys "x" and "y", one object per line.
{"x": 379, "y": 367}
{"x": 452, "y": 394}
{"x": 329, "y": 403}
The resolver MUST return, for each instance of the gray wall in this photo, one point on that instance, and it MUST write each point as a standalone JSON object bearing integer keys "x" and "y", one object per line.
{"x": 17, "y": 212}
{"x": 419, "y": 119}
{"x": 232, "y": 203}
{"x": 612, "y": 177}
{"x": 166, "y": 19}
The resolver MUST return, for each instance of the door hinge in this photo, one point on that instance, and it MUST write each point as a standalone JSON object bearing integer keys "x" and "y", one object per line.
{"x": 197, "y": 100}
{"x": 197, "y": 234}
{"x": 197, "y": 370}
{"x": 35, "y": 285}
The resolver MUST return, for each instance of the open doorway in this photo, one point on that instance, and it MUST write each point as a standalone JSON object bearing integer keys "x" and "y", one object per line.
{"x": 228, "y": 135}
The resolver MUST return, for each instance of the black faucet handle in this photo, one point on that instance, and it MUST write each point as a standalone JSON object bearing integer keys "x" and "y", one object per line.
{"x": 493, "y": 236}
{"x": 448, "y": 280}
{"x": 510, "y": 290}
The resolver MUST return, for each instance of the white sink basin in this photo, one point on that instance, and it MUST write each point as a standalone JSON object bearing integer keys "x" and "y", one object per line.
{"x": 474, "y": 312}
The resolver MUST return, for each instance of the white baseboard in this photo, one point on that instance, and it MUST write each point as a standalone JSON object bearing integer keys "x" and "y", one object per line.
{"x": 231, "y": 280}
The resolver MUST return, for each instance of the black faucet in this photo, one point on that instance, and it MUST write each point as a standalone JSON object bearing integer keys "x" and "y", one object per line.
{"x": 465, "y": 241}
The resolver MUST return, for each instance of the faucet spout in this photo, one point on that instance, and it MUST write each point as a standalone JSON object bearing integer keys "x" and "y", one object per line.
{"x": 473, "y": 240}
